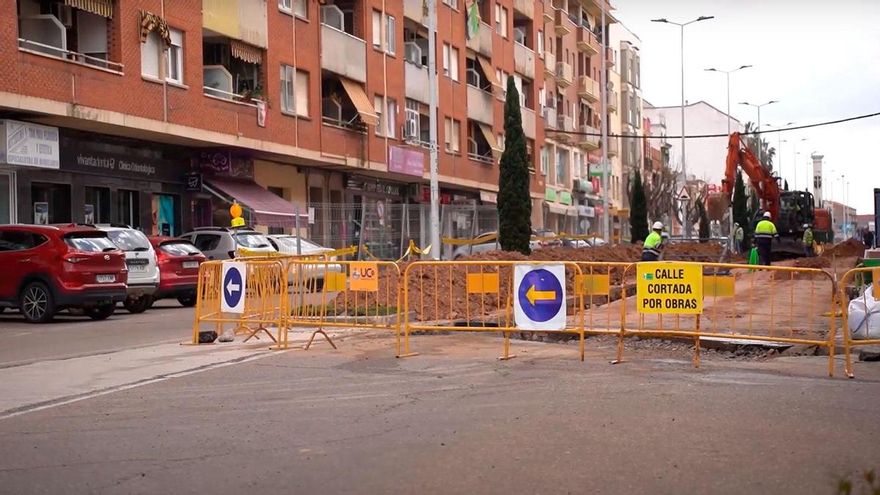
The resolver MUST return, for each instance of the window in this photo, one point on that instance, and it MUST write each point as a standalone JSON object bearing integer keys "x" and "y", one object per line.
{"x": 151, "y": 56}
{"x": 451, "y": 3}
{"x": 545, "y": 160}
{"x": 391, "y": 117}
{"x": 387, "y": 116}
{"x": 207, "y": 242}
{"x": 14, "y": 240}
{"x": 452, "y": 135}
{"x": 450, "y": 61}
{"x": 540, "y": 42}
{"x": 412, "y": 121}
{"x": 175, "y": 57}
{"x": 501, "y": 20}
{"x": 297, "y": 7}
{"x": 389, "y": 35}
{"x": 294, "y": 91}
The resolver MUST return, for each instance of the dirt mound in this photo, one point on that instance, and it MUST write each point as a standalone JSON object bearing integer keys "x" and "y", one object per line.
{"x": 848, "y": 248}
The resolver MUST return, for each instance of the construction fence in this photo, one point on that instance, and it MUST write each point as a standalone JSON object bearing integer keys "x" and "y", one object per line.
{"x": 698, "y": 302}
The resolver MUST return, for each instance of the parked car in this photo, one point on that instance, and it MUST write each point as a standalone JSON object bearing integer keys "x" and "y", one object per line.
{"x": 223, "y": 243}
{"x": 488, "y": 241}
{"x": 287, "y": 244}
{"x": 143, "y": 268}
{"x": 47, "y": 269}
{"x": 179, "y": 262}
{"x": 544, "y": 233}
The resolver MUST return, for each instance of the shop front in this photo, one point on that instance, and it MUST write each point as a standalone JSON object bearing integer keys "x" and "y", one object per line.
{"x": 559, "y": 214}
{"x": 23, "y": 146}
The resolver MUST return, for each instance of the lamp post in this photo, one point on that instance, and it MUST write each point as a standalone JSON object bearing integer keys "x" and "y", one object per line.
{"x": 727, "y": 73}
{"x": 687, "y": 223}
{"x": 779, "y": 142}
{"x": 760, "y": 148}
{"x": 794, "y": 144}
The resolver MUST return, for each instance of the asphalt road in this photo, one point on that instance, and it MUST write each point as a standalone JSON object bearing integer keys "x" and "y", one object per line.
{"x": 455, "y": 420}
{"x": 70, "y": 336}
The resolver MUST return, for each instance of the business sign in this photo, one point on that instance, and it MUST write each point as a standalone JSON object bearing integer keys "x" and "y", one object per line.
{"x": 539, "y": 297}
{"x": 406, "y": 161}
{"x": 29, "y": 145}
{"x": 234, "y": 277}
{"x": 363, "y": 276}
{"x": 669, "y": 288}
{"x": 193, "y": 182}
{"x": 111, "y": 159}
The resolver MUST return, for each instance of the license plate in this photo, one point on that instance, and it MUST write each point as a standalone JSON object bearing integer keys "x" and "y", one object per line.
{"x": 137, "y": 268}
{"x": 190, "y": 264}
{"x": 106, "y": 279}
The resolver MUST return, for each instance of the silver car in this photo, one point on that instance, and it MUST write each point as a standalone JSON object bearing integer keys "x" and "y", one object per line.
{"x": 223, "y": 243}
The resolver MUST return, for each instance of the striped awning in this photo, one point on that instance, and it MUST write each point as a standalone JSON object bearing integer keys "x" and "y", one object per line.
{"x": 103, "y": 8}
{"x": 360, "y": 100}
{"x": 245, "y": 52}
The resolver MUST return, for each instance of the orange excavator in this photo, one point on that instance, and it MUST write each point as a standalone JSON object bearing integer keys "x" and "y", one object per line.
{"x": 791, "y": 210}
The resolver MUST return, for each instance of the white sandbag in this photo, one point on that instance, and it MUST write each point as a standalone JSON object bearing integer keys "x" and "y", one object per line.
{"x": 864, "y": 316}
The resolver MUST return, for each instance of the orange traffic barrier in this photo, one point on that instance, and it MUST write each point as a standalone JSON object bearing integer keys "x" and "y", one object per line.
{"x": 857, "y": 279}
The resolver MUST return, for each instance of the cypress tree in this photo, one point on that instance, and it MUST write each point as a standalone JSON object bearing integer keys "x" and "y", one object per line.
{"x": 514, "y": 201}
{"x": 704, "y": 222}
{"x": 740, "y": 208}
{"x": 638, "y": 217}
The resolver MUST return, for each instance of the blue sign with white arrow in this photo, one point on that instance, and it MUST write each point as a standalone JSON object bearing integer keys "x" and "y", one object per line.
{"x": 540, "y": 295}
{"x": 233, "y": 286}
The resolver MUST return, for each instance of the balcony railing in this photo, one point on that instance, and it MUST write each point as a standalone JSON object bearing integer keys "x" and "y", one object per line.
{"x": 587, "y": 42}
{"x": 480, "y": 105}
{"x": 609, "y": 57}
{"x": 613, "y": 99}
{"x": 588, "y": 89}
{"x": 482, "y": 42}
{"x": 613, "y": 146}
{"x": 524, "y": 60}
{"x": 561, "y": 23}
{"x": 564, "y": 74}
{"x": 549, "y": 64}
{"x": 414, "y": 9}
{"x": 528, "y": 122}
{"x": 565, "y": 123}
{"x": 549, "y": 114}
{"x": 343, "y": 54}
{"x": 416, "y": 82}
{"x": 233, "y": 97}
{"x": 590, "y": 140}
{"x": 69, "y": 56}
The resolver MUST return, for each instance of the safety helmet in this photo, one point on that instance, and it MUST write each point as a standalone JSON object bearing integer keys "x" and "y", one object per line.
{"x": 806, "y": 225}
{"x": 766, "y": 214}
{"x": 657, "y": 226}
{"x": 736, "y": 224}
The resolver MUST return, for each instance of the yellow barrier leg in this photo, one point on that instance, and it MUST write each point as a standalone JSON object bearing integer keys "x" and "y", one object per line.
{"x": 507, "y": 355}
{"x": 326, "y": 337}
{"x": 697, "y": 345}
{"x": 582, "y": 344}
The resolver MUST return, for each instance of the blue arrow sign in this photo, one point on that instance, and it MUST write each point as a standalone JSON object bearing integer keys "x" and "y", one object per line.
{"x": 540, "y": 295}
{"x": 232, "y": 287}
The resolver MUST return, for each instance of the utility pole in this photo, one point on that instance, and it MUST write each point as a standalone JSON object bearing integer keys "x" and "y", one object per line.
{"x": 432, "y": 108}
{"x": 603, "y": 94}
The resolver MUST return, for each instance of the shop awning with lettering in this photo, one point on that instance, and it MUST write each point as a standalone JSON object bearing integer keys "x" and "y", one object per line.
{"x": 361, "y": 102}
{"x": 269, "y": 209}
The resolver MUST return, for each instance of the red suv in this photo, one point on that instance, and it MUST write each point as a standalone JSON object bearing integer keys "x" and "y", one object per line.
{"x": 50, "y": 268}
{"x": 179, "y": 262}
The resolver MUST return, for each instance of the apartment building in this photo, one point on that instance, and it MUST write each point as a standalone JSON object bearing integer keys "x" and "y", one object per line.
{"x": 159, "y": 114}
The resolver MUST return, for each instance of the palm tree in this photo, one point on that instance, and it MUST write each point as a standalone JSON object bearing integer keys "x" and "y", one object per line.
{"x": 755, "y": 143}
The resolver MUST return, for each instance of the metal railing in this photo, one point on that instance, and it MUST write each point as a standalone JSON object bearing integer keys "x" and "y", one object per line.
{"x": 69, "y": 56}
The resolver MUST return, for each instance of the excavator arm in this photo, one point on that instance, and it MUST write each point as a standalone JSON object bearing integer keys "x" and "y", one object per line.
{"x": 739, "y": 155}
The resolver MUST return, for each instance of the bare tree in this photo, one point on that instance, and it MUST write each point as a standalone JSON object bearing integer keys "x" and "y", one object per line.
{"x": 660, "y": 192}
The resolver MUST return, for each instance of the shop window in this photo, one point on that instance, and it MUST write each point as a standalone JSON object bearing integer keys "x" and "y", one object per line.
{"x": 128, "y": 208}
{"x": 80, "y": 35}
{"x": 277, "y": 191}
{"x": 5, "y": 198}
{"x": 166, "y": 211}
{"x": 51, "y": 203}
{"x": 201, "y": 212}
{"x": 97, "y": 205}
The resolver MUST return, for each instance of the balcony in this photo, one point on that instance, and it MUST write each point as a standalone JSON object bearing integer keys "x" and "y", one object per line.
{"x": 613, "y": 99}
{"x": 549, "y": 64}
{"x": 528, "y": 122}
{"x": 588, "y": 89}
{"x": 565, "y": 123}
{"x": 587, "y": 42}
{"x": 548, "y": 13}
{"x": 525, "y": 7}
{"x": 414, "y": 9}
{"x": 609, "y": 57}
{"x": 416, "y": 82}
{"x": 561, "y": 23}
{"x": 613, "y": 146}
{"x": 564, "y": 74}
{"x": 589, "y": 142}
{"x": 549, "y": 114}
{"x": 343, "y": 54}
{"x": 482, "y": 42}
{"x": 480, "y": 105}
{"x": 524, "y": 60}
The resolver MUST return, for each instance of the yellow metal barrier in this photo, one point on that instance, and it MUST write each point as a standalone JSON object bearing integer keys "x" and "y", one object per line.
{"x": 341, "y": 294}
{"x": 263, "y": 307}
{"x": 856, "y": 278}
{"x": 729, "y": 301}
{"x": 479, "y": 296}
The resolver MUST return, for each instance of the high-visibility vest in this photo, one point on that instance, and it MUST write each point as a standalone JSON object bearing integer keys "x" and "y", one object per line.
{"x": 652, "y": 243}
{"x": 765, "y": 230}
{"x": 808, "y": 237}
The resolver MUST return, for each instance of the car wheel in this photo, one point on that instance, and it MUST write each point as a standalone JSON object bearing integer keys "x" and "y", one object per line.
{"x": 102, "y": 312}
{"x": 36, "y": 303}
{"x": 137, "y": 305}
{"x": 187, "y": 301}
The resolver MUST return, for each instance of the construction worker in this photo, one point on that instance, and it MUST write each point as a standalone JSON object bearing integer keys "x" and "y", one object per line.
{"x": 765, "y": 231}
{"x": 808, "y": 241}
{"x": 653, "y": 243}
{"x": 738, "y": 236}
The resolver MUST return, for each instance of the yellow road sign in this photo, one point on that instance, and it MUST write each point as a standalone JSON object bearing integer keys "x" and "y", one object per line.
{"x": 669, "y": 288}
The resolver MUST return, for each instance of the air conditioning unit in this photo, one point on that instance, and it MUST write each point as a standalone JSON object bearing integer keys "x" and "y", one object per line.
{"x": 64, "y": 14}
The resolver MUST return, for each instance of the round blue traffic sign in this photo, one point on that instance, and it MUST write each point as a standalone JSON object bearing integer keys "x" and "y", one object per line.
{"x": 232, "y": 287}
{"x": 540, "y": 295}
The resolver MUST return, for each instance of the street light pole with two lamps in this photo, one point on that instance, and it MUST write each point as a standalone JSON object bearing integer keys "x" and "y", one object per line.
{"x": 728, "y": 73}
{"x": 760, "y": 148}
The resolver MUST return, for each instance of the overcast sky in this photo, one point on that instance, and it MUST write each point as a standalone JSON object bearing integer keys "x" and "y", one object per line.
{"x": 820, "y": 59}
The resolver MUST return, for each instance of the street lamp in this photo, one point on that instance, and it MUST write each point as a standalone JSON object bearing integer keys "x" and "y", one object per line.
{"x": 687, "y": 223}
{"x": 779, "y": 142}
{"x": 760, "y": 148}
{"x": 794, "y": 144}
{"x": 728, "y": 73}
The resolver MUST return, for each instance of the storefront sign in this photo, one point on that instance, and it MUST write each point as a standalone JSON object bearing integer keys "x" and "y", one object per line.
{"x": 565, "y": 197}
{"x": 406, "y": 161}
{"x": 223, "y": 164}
{"x": 550, "y": 194}
{"x": 445, "y": 197}
{"x": 117, "y": 160}
{"x": 28, "y": 145}
{"x": 586, "y": 211}
{"x": 41, "y": 213}
{"x": 373, "y": 186}
{"x": 193, "y": 182}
